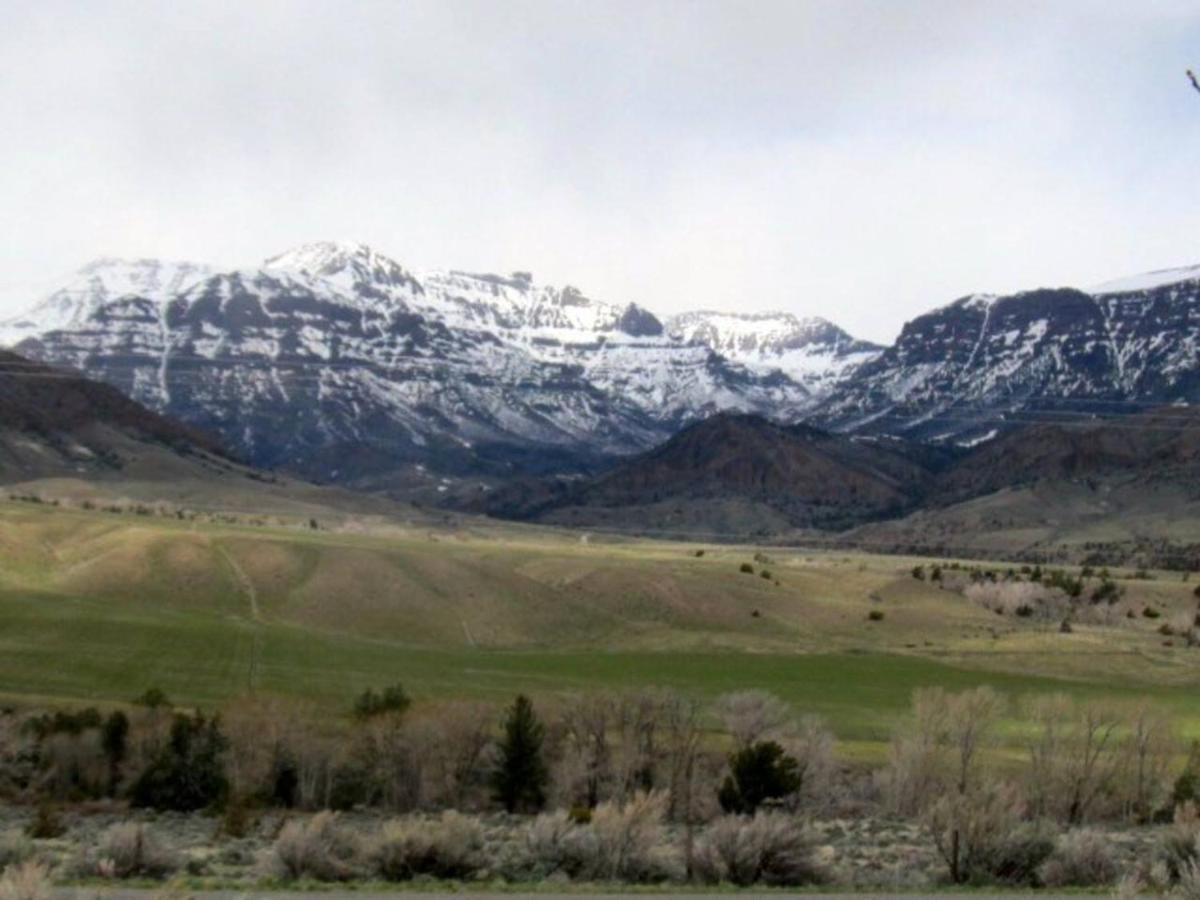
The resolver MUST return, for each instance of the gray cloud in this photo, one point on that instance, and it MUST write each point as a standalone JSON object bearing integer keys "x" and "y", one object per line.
{"x": 860, "y": 160}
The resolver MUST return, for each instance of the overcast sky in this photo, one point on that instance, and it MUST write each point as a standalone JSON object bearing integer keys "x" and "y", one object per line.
{"x": 863, "y": 161}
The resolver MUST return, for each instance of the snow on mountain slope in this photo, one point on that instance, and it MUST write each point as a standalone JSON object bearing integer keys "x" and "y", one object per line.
{"x": 336, "y": 362}
{"x": 98, "y": 283}
{"x": 984, "y": 362}
{"x": 1147, "y": 281}
{"x": 812, "y": 351}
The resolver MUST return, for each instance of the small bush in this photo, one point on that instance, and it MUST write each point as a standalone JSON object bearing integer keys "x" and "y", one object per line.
{"x": 236, "y": 820}
{"x": 548, "y": 847}
{"x": 746, "y": 569}
{"x": 875, "y": 615}
{"x": 451, "y": 847}
{"x": 153, "y": 699}
{"x": 771, "y": 849}
{"x": 623, "y": 842}
{"x": 25, "y": 881}
{"x": 130, "y": 850}
{"x": 15, "y": 848}
{"x": 1080, "y": 859}
{"x": 320, "y": 848}
{"x": 627, "y": 842}
{"x": 1178, "y": 850}
{"x": 46, "y": 823}
{"x": 393, "y": 699}
{"x": 1151, "y": 613}
{"x": 1016, "y": 857}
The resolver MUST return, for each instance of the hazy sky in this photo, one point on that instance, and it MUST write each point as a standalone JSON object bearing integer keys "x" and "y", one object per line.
{"x": 864, "y": 161}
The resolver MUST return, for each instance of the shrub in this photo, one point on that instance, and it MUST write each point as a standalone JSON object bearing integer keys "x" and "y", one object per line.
{"x": 26, "y": 881}
{"x": 130, "y": 850}
{"x": 758, "y": 773}
{"x": 1188, "y": 887}
{"x": 393, "y": 699}
{"x": 1151, "y": 613}
{"x": 548, "y": 847}
{"x": 1178, "y": 850}
{"x": 1080, "y": 859}
{"x": 746, "y": 569}
{"x": 153, "y": 699}
{"x": 46, "y": 823}
{"x": 875, "y": 615}
{"x": 627, "y": 842}
{"x": 450, "y": 847}
{"x": 236, "y": 820}
{"x": 766, "y": 573}
{"x": 978, "y": 836}
{"x": 320, "y": 848}
{"x": 623, "y": 842}
{"x": 15, "y": 848}
{"x": 771, "y": 848}
{"x": 1016, "y": 857}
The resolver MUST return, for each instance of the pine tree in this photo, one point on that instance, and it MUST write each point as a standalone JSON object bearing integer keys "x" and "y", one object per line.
{"x": 114, "y": 739}
{"x": 520, "y": 776}
{"x": 759, "y": 774}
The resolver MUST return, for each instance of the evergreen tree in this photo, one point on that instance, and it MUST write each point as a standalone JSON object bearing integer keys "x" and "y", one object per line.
{"x": 189, "y": 771}
{"x": 114, "y": 740}
{"x": 520, "y": 777}
{"x": 758, "y": 773}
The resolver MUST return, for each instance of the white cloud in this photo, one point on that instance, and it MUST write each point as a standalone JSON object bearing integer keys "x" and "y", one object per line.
{"x": 861, "y": 160}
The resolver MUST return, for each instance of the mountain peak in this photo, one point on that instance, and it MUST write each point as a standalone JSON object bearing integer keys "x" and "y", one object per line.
{"x": 347, "y": 264}
{"x": 324, "y": 257}
{"x": 810, "y": 349}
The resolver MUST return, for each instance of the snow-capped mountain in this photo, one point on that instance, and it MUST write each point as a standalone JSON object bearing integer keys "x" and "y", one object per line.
{"x": 336, "y": 362}
{"x": 812, "y": 351}
{"x": 963, "y": 372}
{"x": 97, "y": 283}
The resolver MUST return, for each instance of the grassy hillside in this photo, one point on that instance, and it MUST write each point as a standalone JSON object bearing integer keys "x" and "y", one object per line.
{"x": 98, "y": 606}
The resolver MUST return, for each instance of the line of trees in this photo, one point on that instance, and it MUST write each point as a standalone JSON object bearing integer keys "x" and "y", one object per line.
{"x": 976, "y": 769}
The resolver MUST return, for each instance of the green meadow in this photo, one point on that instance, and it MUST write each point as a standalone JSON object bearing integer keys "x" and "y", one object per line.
{"x": 96, "y": 607}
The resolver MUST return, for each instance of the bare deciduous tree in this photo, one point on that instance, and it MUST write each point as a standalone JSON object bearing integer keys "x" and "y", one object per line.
{"x": 1149, "y": 748}
{"x": 1075, "y": 756}
{"x": 752, "y": 716}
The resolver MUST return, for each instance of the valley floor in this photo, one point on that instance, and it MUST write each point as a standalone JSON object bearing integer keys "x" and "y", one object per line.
{"x": 98, "y": 606}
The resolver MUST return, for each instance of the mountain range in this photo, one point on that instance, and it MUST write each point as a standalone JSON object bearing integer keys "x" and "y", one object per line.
{"x": 336, "y": 363}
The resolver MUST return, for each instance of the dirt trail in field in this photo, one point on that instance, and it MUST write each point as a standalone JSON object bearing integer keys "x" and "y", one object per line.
{"x": 244, "y": 582}
{"x": 251, "y": 593}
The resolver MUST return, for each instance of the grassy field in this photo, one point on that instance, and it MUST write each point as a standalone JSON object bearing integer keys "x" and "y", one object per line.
{"x": 98, "y": 606}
